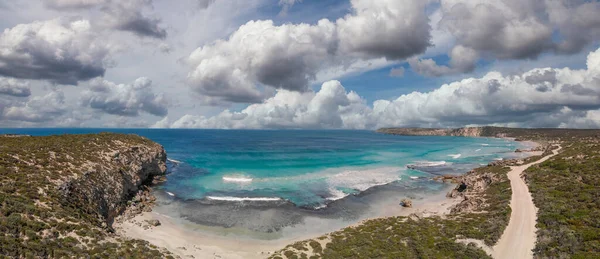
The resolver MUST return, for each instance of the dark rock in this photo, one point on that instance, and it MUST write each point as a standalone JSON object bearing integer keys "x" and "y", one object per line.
{"x": 153, "y": 222}
{"x": 407, "y": 203}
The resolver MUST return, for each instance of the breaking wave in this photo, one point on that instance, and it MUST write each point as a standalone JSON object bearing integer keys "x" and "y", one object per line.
{"x": 238, "y": 199}
{"x": 237, "y": 179}
{"x": 455, "y": 156}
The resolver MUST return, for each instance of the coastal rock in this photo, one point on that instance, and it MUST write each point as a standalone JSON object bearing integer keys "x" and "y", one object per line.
{"x": 461, "y": 132}
{"x": 407, "y": 203}
{"x": 65, "y": 191}
{"x": 108, "y": 183}
{"x": 153, "y": 222}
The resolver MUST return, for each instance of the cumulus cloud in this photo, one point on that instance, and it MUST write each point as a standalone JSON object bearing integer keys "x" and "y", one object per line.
{"x": 124, "y": 99}
{"x": 60, "y": 51}
{"x": 128, "y": 16}
{"x": 572, "y": 98}
{"x": 121, "y": 15}
{"x": 72, "y": 4}
{"x": 261, "y": 54}
{"x": 512, "y": 29}
{"x": 37, "y": 109}
{"x": 13, "y": 87}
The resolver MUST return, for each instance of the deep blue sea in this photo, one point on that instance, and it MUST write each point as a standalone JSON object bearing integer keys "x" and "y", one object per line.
{"x": 303, "y": 169}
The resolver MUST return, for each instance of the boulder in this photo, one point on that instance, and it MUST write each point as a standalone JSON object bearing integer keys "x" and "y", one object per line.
{"x": 153, "y": 222}
{"x": 407, "y": 203}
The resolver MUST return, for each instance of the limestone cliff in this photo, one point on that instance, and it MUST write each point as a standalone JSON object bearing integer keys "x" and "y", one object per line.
{"x": 60, "y": 194}
{"x": 107, "y": 184}
{"x": 462, "y": 132}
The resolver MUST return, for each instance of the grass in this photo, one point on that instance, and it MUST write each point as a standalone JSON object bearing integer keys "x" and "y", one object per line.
{"x": 38, "y": 221}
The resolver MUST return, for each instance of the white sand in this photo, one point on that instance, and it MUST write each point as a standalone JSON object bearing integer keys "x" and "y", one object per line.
{"x": 518, "y": 239}
{"x": 183, "y": 241}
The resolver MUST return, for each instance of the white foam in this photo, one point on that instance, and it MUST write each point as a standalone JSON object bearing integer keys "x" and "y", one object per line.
{"x": 429, "y": 163}
{"x": 485, "y": 144}
{"x": 499, "y": 159}
{"x": 361, "y": 180}
{"x": 230, "y": 198}
{"x": 336, "y": 194}
{"x": 455, "y": 156}
{"x": 171, "y": 194}
{"x": 414, "y": 177}
{"x": 174, "y": 161}
{"x": 237, "y": 179}
{"x": 478, "y": 150}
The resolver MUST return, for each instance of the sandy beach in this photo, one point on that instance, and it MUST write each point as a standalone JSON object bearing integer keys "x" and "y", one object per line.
{"x": 183, "y": 239}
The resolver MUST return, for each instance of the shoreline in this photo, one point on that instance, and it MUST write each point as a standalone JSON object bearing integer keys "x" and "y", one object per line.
{"x": 178, "y": 236}
{"x": 183, "y": 238}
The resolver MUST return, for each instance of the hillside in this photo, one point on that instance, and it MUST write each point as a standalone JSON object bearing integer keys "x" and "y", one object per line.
{"x": 59, "y": 195}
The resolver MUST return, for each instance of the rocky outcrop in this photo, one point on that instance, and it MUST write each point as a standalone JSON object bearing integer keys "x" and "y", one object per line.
{"x": 471, "y": 187}
{"x": 461, "y": 132}
{"x": 60, "y": 194}
{"x": 105, "y": 186}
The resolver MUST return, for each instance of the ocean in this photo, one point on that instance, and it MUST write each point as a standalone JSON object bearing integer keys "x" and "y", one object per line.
{"x": 264, "y": 181}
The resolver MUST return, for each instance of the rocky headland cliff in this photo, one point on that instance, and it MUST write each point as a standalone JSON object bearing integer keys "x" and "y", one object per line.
{"x": 59, "y": 195}
{"x": 461, "y": 132}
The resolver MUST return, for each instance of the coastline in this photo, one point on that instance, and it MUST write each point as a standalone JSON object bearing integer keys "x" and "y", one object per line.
{"x": 180, "y": 238}
{"x": 183, "y": 238}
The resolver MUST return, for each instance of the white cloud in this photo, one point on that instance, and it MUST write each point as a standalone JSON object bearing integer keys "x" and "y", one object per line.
{"x": 512, "y": 29}
{"x": 262, "y": 55}
{"x": 38, "y": 109}
{"x": 122, "y": 15}
{"x": 124, "y": 99}
{"x": 14, "y": 87}
{"x": 491, "y": 99}
{"x": 73, "y": 4}
{"x": 57, "y": 50}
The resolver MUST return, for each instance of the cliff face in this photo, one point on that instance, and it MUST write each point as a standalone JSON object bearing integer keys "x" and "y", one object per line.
{"x": 60, "y": 194}
{"x": 105, "y": 185}
{"x": 460, "y": 132}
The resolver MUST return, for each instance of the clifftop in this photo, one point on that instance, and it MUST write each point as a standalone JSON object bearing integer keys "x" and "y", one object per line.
{"x": 60, "y": 194}
{"x": 463, "y": 132}
{"x": 488, "y": 131}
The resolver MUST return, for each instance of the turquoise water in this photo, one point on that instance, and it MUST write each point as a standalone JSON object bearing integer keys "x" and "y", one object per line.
{"x": 309, "y": 169}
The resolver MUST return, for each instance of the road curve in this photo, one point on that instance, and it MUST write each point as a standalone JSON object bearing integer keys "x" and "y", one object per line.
{"x": 518, "y": 239}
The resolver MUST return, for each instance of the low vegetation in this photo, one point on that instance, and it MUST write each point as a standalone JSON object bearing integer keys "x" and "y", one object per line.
{"x": 565, "y": 189}
{"x": 417, "y": 237}
{"x": 37, "y": 220}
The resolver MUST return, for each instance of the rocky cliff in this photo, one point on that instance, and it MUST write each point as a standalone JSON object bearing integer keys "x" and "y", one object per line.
{"x": 462, "y": 132}
{"x": 106, "y": 184}
{"x": 60, "y": 194}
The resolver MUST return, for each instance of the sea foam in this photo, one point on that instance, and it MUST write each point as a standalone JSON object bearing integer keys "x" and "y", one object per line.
{"x": 360, "y": 180}
{"x": 237, "y": 179}
{"x": 230, "y": 198}
{"x": 427, "y": 164}
{"x": 455, "y": 156}
{"x": 174, "y": 161}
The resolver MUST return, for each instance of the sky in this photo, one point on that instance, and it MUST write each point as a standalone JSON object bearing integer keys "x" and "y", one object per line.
{"x": 299, "y": 64}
